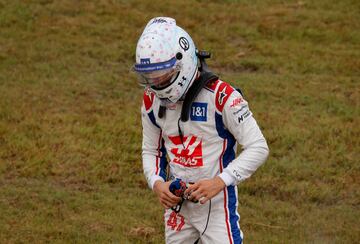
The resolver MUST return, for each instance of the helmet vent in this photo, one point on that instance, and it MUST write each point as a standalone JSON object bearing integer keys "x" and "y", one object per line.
{"x": 179, "y": 56}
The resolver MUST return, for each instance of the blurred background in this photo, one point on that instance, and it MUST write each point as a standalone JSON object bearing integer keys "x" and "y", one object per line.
{"x": 70, "y": 129}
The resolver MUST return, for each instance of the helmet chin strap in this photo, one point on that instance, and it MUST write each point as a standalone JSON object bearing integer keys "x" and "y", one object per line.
{"x": 205, "y": 76}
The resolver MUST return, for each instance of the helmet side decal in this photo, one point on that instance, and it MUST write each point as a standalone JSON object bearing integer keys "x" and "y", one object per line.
{"x": 184, "y": 43}
{"x": 182, "y": 81}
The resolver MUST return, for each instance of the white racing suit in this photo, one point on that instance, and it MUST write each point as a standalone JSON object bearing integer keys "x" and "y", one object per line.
{"x": 219, "y": 119}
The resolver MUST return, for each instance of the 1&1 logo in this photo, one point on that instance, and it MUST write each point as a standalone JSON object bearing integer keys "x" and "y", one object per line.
{"x": 198, "y": 112}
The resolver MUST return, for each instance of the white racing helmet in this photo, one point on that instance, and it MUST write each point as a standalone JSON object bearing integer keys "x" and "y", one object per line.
{"x": 166, "y": 60}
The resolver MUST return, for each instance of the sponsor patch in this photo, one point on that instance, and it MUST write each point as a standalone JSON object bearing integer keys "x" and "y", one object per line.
{"x": 188, "y": 154}
{"x": 198, "y": 112}
{"x": 148, "y": 98}
{"x": 237, "y": 101}
{"x": 241, "y": 109}
{"x": 242, "y": 117}
{"x": 222, "y": 96}
{"x": 237, "y": 174}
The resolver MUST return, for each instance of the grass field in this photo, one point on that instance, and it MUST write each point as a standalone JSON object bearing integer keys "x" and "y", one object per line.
{"x": 70, "y": 130}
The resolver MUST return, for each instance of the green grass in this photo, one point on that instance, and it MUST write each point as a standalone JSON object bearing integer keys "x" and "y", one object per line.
{"x": 70, "y": 130}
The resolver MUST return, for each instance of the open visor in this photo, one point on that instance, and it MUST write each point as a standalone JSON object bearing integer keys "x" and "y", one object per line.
{"x": 158, "y": 75}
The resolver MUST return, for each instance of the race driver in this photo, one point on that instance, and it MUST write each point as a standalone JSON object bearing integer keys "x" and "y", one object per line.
{"x": 192, "y": 122}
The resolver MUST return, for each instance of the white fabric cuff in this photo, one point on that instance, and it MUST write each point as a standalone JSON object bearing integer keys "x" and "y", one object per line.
{"x": 227, "y": 178}
{"x": 153, "y": 179}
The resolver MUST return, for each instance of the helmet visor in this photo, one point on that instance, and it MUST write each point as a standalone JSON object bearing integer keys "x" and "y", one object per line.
{"x": 158, "y": 79}
{"x": 158, "y": 75}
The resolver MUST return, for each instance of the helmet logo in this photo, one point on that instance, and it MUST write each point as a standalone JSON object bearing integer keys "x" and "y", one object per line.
{"x": 159, "y": 21}
{"x": 184, "y": 43}
{"x": 145, "y": 61}
{"x": 181, "y": 83}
